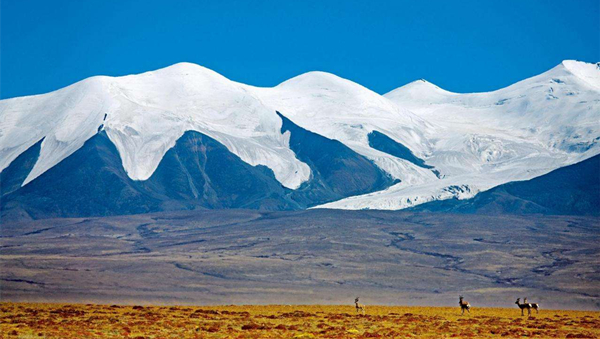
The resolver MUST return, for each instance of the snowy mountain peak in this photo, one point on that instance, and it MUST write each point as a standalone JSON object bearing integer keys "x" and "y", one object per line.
{"x": 183, "y": 69}
{"x": 185, "y": 66}
{"x": 419, "y": 90}
{"x": 319, "y": 83}
{"x": 313, "y": 79}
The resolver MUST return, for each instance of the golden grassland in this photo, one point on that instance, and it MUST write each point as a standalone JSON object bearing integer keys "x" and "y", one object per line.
{"x": 24, "y": 320}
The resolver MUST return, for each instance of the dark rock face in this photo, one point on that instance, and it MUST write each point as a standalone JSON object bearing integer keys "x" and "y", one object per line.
{"x": 14, "y": 175}
{"x": 197, "y": 173}
{"x": 336, "y": 170}
{"x": 382, "y": 142}
{"x": 90, "y": 182}
{"x": 201, "y": 171}
{"x": 571, "y": 190}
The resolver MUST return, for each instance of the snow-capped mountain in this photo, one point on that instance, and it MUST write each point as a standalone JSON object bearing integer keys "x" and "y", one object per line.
{"x": 143, "y": 115}
{"x": 482, "y": 140}
{"x": 322, "y": 138}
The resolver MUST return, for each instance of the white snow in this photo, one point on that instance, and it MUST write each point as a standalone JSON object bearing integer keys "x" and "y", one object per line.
{"x": 584, "y": 71}
{"x": 476, "y": 141}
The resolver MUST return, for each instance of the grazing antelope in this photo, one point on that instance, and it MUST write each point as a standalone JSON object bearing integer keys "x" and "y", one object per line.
{"x": 359, "y": 307}
{"x": 535, "y": 306}
{"x": 523, "y": 306}
{"x": 464, "y": 305}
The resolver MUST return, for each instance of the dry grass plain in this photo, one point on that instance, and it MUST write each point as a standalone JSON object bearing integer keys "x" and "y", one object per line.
{"x": 323, "y": 257}
{"x": 24, "y": 320}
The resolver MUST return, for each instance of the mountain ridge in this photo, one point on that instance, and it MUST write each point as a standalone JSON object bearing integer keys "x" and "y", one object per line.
{"x": 474, "y": 141}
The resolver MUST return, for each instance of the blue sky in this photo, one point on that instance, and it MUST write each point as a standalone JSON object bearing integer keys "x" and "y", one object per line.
{"x": 462, "y": 46}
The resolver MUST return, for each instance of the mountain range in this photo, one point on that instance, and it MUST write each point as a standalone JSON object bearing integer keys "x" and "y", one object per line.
{"x": 185, "y": 137}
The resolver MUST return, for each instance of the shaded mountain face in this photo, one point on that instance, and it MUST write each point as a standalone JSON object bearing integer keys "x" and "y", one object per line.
{"x": 336, "y": 170}
{"x": 13, "y": 176}
{"x": 382, "y": 142}
{"x": 198, "y": 172}
{"x": 571, "y": 190}
{"x": 91, "y": 182}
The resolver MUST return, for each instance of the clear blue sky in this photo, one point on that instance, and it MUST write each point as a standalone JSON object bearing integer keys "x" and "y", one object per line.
{"x": 462, "y": 46}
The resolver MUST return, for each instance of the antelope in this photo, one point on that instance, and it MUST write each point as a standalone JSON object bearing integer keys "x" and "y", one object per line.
{"x": 535, "y": 306}
{"x": 523, "y": 306}
{"x": 464, "y": 305}
{"x": 359, "y": 307}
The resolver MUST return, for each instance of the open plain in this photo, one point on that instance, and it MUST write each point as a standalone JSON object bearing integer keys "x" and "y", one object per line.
{"x": 307, "y": 257}
{"x": 277, "y": 321}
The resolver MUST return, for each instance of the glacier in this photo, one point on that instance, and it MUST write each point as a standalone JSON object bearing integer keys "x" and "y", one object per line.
{"x": 482, "y": 140}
